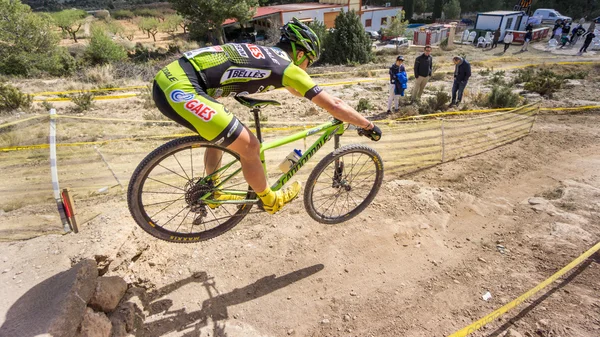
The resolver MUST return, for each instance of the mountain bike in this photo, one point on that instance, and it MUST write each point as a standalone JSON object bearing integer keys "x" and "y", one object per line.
{"x": 179, "y": 194}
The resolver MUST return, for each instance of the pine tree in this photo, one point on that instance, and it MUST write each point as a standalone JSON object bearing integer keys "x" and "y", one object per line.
{"x": 437, "y": 9}
{"x": 409, "y": 8}
{"x": 349, "y": 43}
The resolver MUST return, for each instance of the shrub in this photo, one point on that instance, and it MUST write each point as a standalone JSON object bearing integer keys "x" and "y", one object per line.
{"x": 497, "y": 78}
{"x": 486, "y": 71}
{"x": 103, "y": 49}
{"x": 364, "y": 104}
{"x": 122, "y": 14}
{"x": 502, "y": 97}
{"x": 98, "y": 74}
{"x": 436, "y": 103}
{"x": 84, "y": 101}
{"x": 12, "y": 98}
{"x": 524, "y": 75}
{"x": 544, "y": 86}
{"x": 47, "y": 105}
{"x": 438, "y": 76}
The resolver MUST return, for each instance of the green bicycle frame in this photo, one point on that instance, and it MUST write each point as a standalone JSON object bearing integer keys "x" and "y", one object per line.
{"x": 329, "y": 129}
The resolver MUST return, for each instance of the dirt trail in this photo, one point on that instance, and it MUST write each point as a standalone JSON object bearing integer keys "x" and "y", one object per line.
{"x": 416, "y": 263}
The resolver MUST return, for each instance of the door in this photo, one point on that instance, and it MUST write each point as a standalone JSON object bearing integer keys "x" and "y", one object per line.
{"x": 329, "y": 19}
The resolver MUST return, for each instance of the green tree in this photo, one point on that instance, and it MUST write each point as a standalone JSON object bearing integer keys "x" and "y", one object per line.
{"x": 171, "y": 24}
{"x": 28, "y": 43}
{"x": 420, "y": 6}
{"x": 349, "y": 42}
{"x": 102, "y": 49}
{"x": 150, "y": 26}
{"x": 452, "y": 10}
{"x": 409, "y": 8}
{"x": 397, "y": 27}
{"x": 437, "y": 8}
{"x": 207, "y": 15}
{"x": 70, "y": 21}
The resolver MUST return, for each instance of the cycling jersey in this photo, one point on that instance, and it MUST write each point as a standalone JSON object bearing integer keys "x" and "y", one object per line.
{"x": 185, "y": 90}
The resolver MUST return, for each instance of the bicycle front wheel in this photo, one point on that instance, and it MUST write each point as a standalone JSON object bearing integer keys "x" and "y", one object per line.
{"x": 189, "y": 190}
{"x": 343, "y": 184}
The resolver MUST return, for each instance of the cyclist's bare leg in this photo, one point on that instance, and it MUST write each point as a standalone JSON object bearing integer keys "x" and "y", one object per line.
{"x": 248, "y": 147}
{"x": 212, "y": 160}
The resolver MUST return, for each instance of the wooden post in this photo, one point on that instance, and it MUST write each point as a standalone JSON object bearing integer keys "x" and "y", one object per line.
{"x": 70, "y": 210}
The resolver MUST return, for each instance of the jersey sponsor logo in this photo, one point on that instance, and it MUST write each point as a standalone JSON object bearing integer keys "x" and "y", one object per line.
{"x": 168, "y": 75}
{"x": 200, "y": 109}
{"x": 193, "y": 53}
{"x": 271, "y": 56}
{"x": 233, "y": 128}
{"x": 180, "y": 96}
{"x": 240, "y": 50}
{"x": 255, "y": 51}
{"x": 237, "y": 74}
{"x": 281, "y": 53}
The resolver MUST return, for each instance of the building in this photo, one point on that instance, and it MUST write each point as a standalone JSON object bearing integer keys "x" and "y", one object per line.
{"x": 373, "y": 18}
{"x": 506, "y": 20}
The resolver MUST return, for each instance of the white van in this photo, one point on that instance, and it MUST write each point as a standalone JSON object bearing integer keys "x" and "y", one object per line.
{"x": 551, "y": 15}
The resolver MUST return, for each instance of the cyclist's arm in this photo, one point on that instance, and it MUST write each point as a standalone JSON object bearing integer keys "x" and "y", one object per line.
{"x": 298, "y": 82}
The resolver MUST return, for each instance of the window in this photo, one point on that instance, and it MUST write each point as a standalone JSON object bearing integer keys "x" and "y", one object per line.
{"x": 384, "y": 21}
{"x": 509, "y": 23}
{"x": 368, "y": 23}
{"x": 552, "y": 15}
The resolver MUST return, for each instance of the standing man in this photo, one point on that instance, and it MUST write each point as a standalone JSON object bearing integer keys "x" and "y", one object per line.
{"x": 423, "y": 70}
{"x": 496, "y": 38}
{"x": 528, "y": 37}
{"x": 462, "y": 73}
{"x": 508, "y": 39}
{"x": 588, "y": 40}
{"x": 394, "y": 69}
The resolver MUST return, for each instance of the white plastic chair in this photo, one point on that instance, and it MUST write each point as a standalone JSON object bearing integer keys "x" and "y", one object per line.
{"x": 472, "y": 36}
{"x": 552, "y": 43}
{"x": 465, "y": 36}
{"x": 596, "y": 44}
{"x": 481, "y": 42}
{"x": 488, "y": 36}
{"x": 488, "y": 41}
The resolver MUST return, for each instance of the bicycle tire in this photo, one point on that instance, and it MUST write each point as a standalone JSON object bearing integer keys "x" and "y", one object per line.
{"x": 145, "y": 168}
{"x": 313, "y": 179}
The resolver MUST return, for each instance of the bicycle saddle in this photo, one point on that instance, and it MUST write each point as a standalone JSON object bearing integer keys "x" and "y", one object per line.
{"x": 255, "y": 103}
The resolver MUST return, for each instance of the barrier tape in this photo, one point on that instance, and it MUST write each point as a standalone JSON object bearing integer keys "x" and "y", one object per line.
{"x": 496, "y": 314}
{"x": 95, "y": 98}
{"x": 46, "y": 93}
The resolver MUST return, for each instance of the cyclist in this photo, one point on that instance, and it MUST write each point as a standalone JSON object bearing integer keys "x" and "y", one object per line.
{"x": 185, "y": 91}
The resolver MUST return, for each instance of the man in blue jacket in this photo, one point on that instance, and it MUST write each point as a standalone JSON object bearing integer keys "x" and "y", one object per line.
{"x": 462, "y": 73}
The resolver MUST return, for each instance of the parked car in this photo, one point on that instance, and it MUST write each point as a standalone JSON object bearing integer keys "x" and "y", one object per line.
{"x": 551, "y": 15}
{"x": 597, "y": 20}
{"x": 373, "y": 34}
{"x": 396, "y": 42}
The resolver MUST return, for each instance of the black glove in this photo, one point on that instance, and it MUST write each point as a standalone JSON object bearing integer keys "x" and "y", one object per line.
{"x": 374, "y": 134}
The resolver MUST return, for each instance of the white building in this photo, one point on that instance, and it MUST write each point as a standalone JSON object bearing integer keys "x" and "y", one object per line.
{"x": 372, "y": 18}
{"x": 506, "y": 20}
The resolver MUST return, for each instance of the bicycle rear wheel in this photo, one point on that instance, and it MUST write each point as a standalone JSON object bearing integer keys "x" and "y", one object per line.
{"x": 171, "y": 190}
{"x": 343, "y": 184}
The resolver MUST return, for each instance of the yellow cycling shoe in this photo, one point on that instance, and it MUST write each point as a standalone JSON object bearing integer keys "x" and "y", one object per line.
{"x": 220, "y": 196}
{"x": 283, "y": 197}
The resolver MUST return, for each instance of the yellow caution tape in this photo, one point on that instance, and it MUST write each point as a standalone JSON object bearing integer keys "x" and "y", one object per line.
{"x": 496, "y": 314}
{"x": 21, "y": 121}
{"x": 46, "y": 93}
{"x": 96, "y": 98}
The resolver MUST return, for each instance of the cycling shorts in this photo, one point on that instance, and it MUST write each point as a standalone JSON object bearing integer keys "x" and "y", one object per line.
{"x": 179, "y": 95}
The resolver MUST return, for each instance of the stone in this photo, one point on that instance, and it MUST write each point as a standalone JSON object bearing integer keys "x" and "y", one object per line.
{"x": 537, "y": 201}
{"x": 346, "y": 318}
{"x": 109, "y": 291}
{"x": 513, "y": 333}
{"x": 95, "y": 324}
{"x": 55, "y": 306}
{"x": 129, "y": 317}
{"x": 103, "y": 263}
{"x": 325, "y": 321}
{"x": 290, "y": 332}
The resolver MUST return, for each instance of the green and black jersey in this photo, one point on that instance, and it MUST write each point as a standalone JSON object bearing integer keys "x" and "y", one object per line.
{"x": 242, "y": 69}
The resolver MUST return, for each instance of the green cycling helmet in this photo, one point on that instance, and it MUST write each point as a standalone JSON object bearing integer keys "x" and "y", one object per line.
{"x": 301, "y": 37}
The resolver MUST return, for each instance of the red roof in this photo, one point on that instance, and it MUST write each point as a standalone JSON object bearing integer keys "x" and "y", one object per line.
{"x": 260, "y": 11}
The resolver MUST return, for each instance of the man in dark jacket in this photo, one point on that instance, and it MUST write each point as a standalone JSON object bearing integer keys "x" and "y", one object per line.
{"x": 423, "y": 71}
{"x": 462, "y": 73}
{"x": 589, "y": 37}
{"x": 496, "y": 38}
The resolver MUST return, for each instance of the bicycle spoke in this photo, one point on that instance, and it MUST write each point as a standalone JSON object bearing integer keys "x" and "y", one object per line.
{"x": 163, "y": 226}
{"x": 154, "y": 192}
{"x": 185, "y": 217}
{"x": 177, "y": 160}
{"x": 169, "y": 205}
{"x": 158, "y": 181}
{"x": 177, "y": 174}
{"x": 162, "y": 202}
{"x": 358, "y": 183}
{"x": 192, "y": 162}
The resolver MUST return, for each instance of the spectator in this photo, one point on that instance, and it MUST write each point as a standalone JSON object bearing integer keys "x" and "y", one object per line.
{"x": 529, "y": 27}
{"x": 401, "y": 79}
{"x": 528, "y": 37}
{"x": 508, "y": 39}
{"x": 589, "y": 36}
{"x": 558, "y": 33}
{"x": 496, "y": 38}
{"x": 462, "y": 73}
{"x": 423, "y": 70}
{"x": 557, "y": 25}
{"x": 576, "y": 34}
{"x": 565, "y": 35}
{"x": 394, "y": 69}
